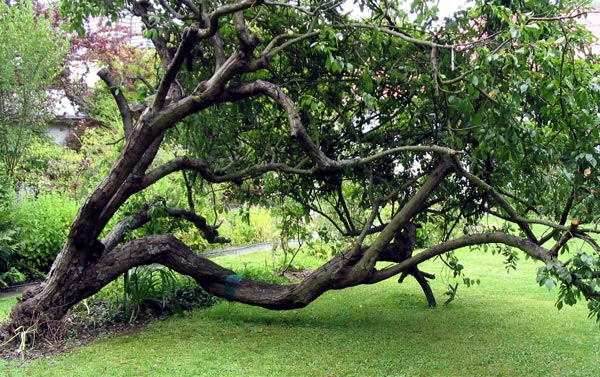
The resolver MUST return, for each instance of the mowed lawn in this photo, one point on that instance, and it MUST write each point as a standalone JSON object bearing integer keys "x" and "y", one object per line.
{"x": 506, "y": 326}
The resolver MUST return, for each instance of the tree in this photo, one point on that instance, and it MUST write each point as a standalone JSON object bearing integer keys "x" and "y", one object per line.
{"x": 380, "y": 125}
{"x": 32, "y": 54}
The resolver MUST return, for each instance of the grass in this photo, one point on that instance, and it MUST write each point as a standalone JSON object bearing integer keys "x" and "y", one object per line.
{"x": 5, "y": 306}
{"x": 506, "y": 326}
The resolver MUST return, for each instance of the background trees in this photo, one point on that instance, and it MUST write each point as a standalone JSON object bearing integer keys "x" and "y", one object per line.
{"x": 378, "y": 125}
{"x": 32, "y": 52}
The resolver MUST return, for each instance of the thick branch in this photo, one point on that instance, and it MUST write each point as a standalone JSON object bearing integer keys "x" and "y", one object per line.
{"x": 118, "y": 233}
{"x": 124, "y": 109}
{"x": 369, "y": 258}
{"x": 248, "y": 41}
{"x": 209, "y": 233}
{"x": 296, "y": 125}
{"x": 189, "y": 39}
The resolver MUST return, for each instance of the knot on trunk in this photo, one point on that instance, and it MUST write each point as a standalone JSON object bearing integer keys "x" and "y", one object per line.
{"x": 401, "y": 249}
{"x": 403, "y": 245}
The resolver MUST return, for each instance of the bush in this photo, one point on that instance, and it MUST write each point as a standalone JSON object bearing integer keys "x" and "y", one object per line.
{"x": 9, "y": 275}
{"x": 43, "y": 231}
{"x": 144, "y": 292}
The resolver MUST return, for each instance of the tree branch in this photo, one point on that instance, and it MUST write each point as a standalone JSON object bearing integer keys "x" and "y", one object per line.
{"x": 120, "y": 99}
{"x": 297, "y": 129}
{"x": 118, "y": 233}
{"x": 213, "y": 18}
{"x": 498, "y": 198}
{"x": 209, "y": 233}
{"x": 368, "y": 259}
{"x": 530, "y": 248}
{"x": 189, "y": 39}
{"x": 208, "y": 173}
{"x": 176, "y": 14}
{"x": 565, "y": 238}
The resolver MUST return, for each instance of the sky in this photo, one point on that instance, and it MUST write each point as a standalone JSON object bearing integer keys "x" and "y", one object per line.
{"x": 446, "y": 7}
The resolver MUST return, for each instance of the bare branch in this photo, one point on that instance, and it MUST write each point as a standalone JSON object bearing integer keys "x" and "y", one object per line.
{"x": 213, "y": 18}
{"x": 188, "y": 42}
{"x": 176, "y": 14}
{"x": 118, "y": 233}
{"x": 562, "y": 18}
{"x": 403, "y": 36}
{"x": 209, "y": 233}
{"x": 291, "y": 39}
{"x": 248, "y": 41}
{"x": 208, "y": 173}
{"x": 145, "y": 81}
{"x": 142, "y": 217}
{"x": 116, "y": 92}
{"x": 219, "y": 50}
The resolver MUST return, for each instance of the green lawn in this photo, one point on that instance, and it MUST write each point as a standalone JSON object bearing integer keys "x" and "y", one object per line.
{"x": 507, "y": 326}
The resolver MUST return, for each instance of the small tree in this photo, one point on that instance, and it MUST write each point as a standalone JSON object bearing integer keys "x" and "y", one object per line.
{"x": 32, "y": 54}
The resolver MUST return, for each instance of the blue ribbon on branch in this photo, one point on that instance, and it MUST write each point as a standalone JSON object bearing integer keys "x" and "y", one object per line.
{"x": 232, "y": 282}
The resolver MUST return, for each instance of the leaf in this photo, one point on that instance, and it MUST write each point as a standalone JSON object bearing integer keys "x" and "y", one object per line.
{"x": 523, "y": 88}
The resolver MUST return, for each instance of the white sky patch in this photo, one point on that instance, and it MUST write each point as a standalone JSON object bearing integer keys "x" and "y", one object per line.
{"x": 446, "y": 8}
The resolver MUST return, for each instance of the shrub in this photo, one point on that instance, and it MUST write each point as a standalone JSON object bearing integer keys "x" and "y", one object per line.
{"x": 144, "y": 292}
{"x": 154, "y": 291}
{"x": 44, "y": 227}
{"x": 9, "y": 275}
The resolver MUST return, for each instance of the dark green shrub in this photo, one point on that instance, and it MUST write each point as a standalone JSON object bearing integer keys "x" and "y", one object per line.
{"x": 191, "y": 295}
{"x": 144, "y": 292}
{"x": 156, "y": 290}
{"x": 9, "y": 274}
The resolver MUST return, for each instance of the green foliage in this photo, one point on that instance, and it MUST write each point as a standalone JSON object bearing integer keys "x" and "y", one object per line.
{"x": 144, "y": 293}
{"x": 9, "y": 243}
{"x": 149, "y": 288}
{"x": 43, "y": 229}
{"x": 47, "y": 167}
{"x": 32, "y": 54}
{"x": 11, "y": 277}
{"x": 78, "y": 12}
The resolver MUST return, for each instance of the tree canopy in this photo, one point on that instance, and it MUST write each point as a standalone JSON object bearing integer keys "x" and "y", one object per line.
{"x": 379, "y": 123}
